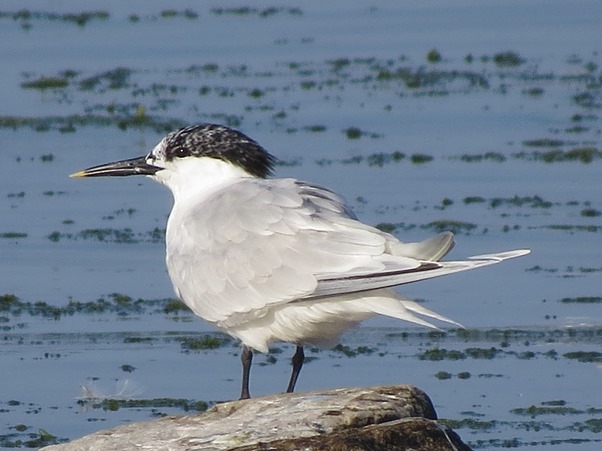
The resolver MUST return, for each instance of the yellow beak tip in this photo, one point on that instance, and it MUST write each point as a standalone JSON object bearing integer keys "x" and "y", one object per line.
{"x": 78, "y": 174}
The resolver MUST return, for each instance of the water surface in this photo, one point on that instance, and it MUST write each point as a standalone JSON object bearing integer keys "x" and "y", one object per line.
{"x": 483, "y": 119}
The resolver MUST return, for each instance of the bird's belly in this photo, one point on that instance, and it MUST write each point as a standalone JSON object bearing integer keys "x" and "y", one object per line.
{"x": 317, "y": 323}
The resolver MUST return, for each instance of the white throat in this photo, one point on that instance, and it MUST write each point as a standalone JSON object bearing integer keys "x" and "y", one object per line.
{"x": 196, "y": 178}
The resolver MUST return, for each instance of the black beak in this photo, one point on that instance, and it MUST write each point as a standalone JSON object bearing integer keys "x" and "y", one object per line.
{"x": 133, "y": 166}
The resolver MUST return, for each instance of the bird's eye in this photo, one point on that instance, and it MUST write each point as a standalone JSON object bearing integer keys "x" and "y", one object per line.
{"x": 178, "y": 152}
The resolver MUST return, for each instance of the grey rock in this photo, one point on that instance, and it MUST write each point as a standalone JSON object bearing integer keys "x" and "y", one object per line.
{"x": 376, "y": 418}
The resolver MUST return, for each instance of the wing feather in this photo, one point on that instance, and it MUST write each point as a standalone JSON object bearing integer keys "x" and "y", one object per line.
{"x": 262, "y": 242}
{"x": 338, "y": 284}
{"x": 259, "y": 243}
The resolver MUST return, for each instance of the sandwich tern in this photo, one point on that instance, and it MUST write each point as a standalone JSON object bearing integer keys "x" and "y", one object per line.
{"x": 267, "y": 259}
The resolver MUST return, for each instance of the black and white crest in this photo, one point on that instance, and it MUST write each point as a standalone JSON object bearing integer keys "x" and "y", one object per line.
{"x": 217, "y": 141}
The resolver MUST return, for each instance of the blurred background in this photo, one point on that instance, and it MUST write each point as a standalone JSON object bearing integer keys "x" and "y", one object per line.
{"x": 476, "y": 117}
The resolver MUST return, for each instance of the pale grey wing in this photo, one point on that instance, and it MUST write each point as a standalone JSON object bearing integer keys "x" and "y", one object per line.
{"x": 432, "y": 249}
{"x": 262, "y": 242}
{"x": 389, "y": 278}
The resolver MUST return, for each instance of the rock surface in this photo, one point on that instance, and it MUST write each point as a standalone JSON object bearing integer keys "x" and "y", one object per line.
{"x": 376, "y": 418}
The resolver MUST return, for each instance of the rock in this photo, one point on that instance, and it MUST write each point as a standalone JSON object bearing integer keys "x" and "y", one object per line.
{"x": 416, "y": 434}
{"x": 377, "y": 418}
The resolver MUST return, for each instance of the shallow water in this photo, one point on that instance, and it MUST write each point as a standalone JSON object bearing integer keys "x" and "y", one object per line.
{"x": 502, "y": 146}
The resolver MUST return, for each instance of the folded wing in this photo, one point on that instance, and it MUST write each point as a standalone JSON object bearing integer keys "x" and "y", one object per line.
{"x": 261, "y": 243}
{"x": 328, "y": 286}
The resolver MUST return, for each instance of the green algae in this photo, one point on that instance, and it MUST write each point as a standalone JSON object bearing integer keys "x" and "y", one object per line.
{"x": 555, "y": 402}
{"x": 534, "y": 411}
{"x": 353, "y": 133}
{"x": 125, "y": 235}
{"x": 386, "y": 227}
{"x": 520, "y": 201}
{"x": 318, "y": 128}
{"x": 43, "y": 83}
{"x": 474, "y": 200}
{"x": 136, "y": 340}
{"x": 415, "y": 79}
{"x": 590, "y": 213}
{"x": 588, "y": 420}
{"x": 543, "y": 142}
{"x": 117, "y": 303}
{"x": 443, "y": 375}
{"x": 175, "y": 306}
{"x": 582, "y": 300}
{"x": 505, "y": 339}
{"x": 526, "y": 355}
{"x": 584, "y": 356}
{"x": 115, "y": 235}
{"x": 421, "y": 158}
{"x": 483, "y": 353}
{"x": 24, "y": 439}
{"x": 377, "y": 159}
{"x": 348, "y": 352}
{"x": 172, "y": 13}
{"x": 205, "y": 343}
{"x": 111, "y": 235}
{"x": 469, "y": 423}
{"x": 249, "y": 11}
{"x": 13, "y": 235}
{"x": 433, "y": 56}
{"x": 583, "y": 155}
{"x": 437, "y": 354}
{"x": 114, "y": 79}
{"x": 570, "y": 228}
{"x": 381, "y": 159}
{"x": 113, "y": 405}
{"x": 534, "y": 92}
{"x": 25, "y": 17}
{"x": 329, "y": 74}
{"x": 546, "y": 409}
{"x": 586, "y": 270}
{"x": 586, "y": 100}
{"x": 503, "y": 204}
{"x": 593, "y": 424}
{"x": 478, "y": 158}
{"x": 508, "y": 59}
{"x": 72, "y": 122}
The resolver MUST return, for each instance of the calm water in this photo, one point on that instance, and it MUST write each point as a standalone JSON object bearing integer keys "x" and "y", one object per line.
{"x": 495, "y": 134}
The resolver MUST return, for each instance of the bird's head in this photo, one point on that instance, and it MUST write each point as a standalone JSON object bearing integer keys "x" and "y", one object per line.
{"x": 201, "y": 154}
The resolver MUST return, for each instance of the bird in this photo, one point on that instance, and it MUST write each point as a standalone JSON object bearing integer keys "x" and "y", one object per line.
{"x": 268, "y": 259}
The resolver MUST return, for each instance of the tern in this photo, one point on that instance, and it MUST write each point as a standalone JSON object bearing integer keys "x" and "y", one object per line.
{"x": 271, "y": 259}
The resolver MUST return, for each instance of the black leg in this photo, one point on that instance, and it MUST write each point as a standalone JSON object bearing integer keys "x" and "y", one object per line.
{"x": 298, "y": 359}
{"x": 246, "y": 358}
